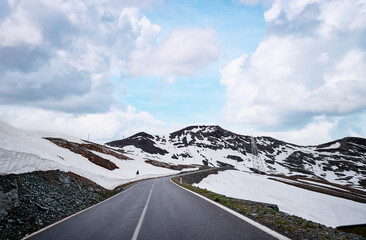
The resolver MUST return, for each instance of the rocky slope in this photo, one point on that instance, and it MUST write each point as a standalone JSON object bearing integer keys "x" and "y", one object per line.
{"x": 34, "y": 200}
{"x": 342, "y": 161}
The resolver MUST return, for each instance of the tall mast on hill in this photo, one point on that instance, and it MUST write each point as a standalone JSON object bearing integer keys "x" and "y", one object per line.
{"x": 258, "y": 165}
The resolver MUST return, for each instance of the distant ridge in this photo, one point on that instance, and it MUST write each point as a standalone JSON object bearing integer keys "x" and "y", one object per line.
{"x": 341, "y": 161}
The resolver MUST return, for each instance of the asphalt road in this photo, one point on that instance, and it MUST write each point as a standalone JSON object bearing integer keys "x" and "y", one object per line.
{"x": 153, "y": 209}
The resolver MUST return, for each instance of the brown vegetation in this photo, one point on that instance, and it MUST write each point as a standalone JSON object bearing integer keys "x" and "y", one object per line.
{"x": 85, "y": 152}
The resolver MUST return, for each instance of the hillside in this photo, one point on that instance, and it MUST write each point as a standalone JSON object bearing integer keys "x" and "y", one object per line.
{"x": 24, "y": 151}
{"x": 342, "y": 161}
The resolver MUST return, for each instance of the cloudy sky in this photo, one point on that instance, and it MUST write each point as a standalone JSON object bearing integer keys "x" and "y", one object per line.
{"x": 294, "y": 70}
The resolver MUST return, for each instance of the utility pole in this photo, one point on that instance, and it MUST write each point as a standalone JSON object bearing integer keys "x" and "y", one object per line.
{"x": 258, "y": 165}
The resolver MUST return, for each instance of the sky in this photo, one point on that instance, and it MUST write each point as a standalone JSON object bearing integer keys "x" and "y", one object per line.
{"x": 294, "y": 70}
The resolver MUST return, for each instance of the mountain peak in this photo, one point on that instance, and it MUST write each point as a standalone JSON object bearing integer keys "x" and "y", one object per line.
{"x": 200, "y": 130}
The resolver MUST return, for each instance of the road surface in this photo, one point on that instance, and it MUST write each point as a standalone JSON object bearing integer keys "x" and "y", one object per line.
{"x": 153, "y": 209}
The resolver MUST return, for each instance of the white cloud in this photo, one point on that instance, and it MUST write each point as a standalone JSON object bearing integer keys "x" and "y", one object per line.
{"x": 344, "y": 15}
{"x": 290, "y": 8}
{"x": 17, "y": 29}
{"x": 354, "y": 125}
{"x": 183, "y": 53}
{"x": 62, "y": 56}
{"x": 298, "y": 71}
{"x": 102, "y": 127}
{"x": 318, "y": 131}
{"x": 331, "y": 15}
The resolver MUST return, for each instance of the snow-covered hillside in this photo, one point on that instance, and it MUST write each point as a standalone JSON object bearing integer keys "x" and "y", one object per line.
{"x": 23, "y": 151}
{"x": 342, "y": 161}
{"x": 321, "y": 208}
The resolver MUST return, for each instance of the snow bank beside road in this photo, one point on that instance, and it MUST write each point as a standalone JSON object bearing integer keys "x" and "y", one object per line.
{"x": 23, "y": 151}
{"x": 317, "y": 207}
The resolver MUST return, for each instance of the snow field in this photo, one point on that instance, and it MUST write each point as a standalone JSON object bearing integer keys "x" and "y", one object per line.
{"x": 321, "y": 208}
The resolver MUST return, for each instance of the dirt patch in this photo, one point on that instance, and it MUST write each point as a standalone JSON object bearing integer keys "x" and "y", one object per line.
{"x": 169, "y": 166}
{"x": 356, "y": 229}
{"x": 197, "y": 177}
{"x": 105, "y": 150}
{"x": 84, "y": 150}
{"x": 340, "y": 190}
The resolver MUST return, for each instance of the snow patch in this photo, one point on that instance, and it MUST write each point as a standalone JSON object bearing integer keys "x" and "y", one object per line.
{"x": 328, "y": 210}
{"x": 333, "y": 146}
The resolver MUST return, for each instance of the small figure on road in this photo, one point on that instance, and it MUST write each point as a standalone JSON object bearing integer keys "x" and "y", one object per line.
{"x": 137, "y": 173}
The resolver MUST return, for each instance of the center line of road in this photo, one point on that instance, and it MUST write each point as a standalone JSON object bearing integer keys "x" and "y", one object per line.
{"x": 139, "y": 224}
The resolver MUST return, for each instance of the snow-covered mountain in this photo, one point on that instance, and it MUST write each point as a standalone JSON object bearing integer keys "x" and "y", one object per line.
{"x": 24, "y": 151}
{"x": 342, "y": 161}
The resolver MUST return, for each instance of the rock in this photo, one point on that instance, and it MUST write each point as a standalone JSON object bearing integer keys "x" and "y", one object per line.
{"x": 9, "y": 199}
{"x": 272, "y": 206}
{"x": 65, "y": 179}
{"x": 20, "y": 221}
{"x": 236, "y": 158}
{"x": 47, "y": 200}
{"x": 34, "y": 200}
{"x": 41, "y": 207}
{"x": 222, "y": 164}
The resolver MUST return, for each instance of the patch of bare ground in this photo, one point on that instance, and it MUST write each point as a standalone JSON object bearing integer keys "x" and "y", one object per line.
{"x": 169, "y": 166}
{"x": 84, "y": 150}
{"x": 106, "y": 150}
{"x": 322, "y": 186}
{"x": 359, "y": 229}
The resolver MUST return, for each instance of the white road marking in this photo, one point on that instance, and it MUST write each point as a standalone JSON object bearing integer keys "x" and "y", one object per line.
{"x": 53, "y": 224}
{"x": 139, "y": 224}
{"x": 248, "y": 220}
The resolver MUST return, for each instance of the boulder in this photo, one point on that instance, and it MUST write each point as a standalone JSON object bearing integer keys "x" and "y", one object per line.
{"x": 9, "y": 198}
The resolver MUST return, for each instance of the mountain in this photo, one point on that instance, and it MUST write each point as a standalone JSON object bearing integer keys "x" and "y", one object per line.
{"x": 342, "y": 161}
{"x": 25, "y": 151}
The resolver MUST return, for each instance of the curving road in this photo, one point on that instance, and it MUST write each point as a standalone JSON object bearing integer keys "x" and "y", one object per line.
{"x": 153, "y": 209}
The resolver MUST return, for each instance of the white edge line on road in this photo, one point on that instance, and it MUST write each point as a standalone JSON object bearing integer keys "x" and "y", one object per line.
{"x": 64, "y": 219}
{"x": 139, "y": 224}
{"x": 248, "y": 220}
